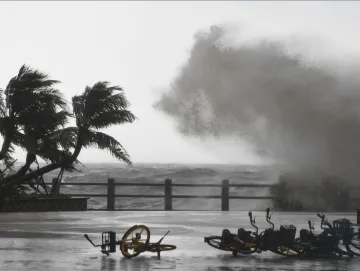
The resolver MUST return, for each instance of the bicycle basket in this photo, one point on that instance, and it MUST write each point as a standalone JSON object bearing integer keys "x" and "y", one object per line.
{"x": 287, "y": 234}
{"x": 343, "y": 226}
{"x": 109, "y": 241}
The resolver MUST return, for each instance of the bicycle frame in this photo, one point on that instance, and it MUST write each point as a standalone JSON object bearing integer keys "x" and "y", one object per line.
{"x": 322, "y": 244}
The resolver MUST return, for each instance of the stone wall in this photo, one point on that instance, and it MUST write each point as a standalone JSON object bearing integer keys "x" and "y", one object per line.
{"x": 44, "y": 204}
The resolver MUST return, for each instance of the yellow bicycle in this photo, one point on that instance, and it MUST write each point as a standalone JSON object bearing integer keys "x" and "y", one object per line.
{"x": 134, "y": 241}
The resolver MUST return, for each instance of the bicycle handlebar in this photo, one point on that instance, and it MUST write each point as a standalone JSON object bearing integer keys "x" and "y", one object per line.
{"x": 268, "y": 217}
{"x": 91, "y": 242}
{"x": 324, "y": 221}
{"x": 87, "y": 237}
{"x": 252, "y": 221}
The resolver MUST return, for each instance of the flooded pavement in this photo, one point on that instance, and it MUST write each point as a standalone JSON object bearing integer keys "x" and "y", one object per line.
{"x": 54, "y": 241}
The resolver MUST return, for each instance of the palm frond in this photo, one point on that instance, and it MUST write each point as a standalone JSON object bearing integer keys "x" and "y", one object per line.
{"x": 43, "y": 123}
{"x": 29, "y": 79}
{"x": 19, "y": 140}
{"x": 22, "y": 102}
{"x": 100, "y": 92}
{"x": 106, "y": 119}
{"x": 78, "y": 108}
{"x": 31, "y": 89}
{"x": 66, "y": 137}
{"x": 106, "y": 142}
{"x": 96, "y": 104}
{"x": 50, "y": 153}
{"x": 100, "y": 102}
{"x": 101, "y": 86}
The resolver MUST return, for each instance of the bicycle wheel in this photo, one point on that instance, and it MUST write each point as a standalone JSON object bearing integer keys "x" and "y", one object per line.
{"x": 246, "y": 250}
{"x": 353, "y": 245}
{"x": 216, "y": 242}
{"x": 134, "y": 242}
{"x": 161, "y": 247}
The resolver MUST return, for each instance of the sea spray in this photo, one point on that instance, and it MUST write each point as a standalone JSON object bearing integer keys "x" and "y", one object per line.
{"x": 305, "y": 117}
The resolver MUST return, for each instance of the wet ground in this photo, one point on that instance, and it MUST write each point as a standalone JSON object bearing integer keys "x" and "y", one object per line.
{"x": 54, "y": 241}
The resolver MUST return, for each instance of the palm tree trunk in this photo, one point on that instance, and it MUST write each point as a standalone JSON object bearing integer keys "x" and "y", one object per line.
{"x": 30, "y": 158}
{"x": 28, "y": 177}
{"x": 5, "y": 147}
{"x": 9, "y": 181}
{"x": 10, "y": 129}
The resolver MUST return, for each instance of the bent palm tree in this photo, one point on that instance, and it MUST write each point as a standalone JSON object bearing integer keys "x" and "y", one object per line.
{"x": 99, "y": 106}
{"x": 32, "y": 110}
{"x": 29, "y": 108}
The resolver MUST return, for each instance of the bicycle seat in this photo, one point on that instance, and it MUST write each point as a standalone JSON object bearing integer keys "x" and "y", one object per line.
{"x": 227, "y": 237}
{"x": 242, "y": 233}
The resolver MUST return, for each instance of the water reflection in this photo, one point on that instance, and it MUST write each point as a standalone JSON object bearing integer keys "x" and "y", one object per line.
{"x": 142, "y": 263}
{"x": 108, "y": 264}
{"x": 230, "y": 263}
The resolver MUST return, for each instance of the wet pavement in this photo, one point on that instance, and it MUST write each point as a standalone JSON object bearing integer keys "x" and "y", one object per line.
{"x": 54, "y": 241}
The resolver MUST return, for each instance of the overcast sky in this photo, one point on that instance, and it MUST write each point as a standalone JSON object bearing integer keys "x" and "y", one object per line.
{"x": 141, "y": 45}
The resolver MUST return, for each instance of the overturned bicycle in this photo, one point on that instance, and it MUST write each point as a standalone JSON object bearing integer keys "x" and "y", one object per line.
{"x": 135, "y": 241}
{"x": 342, "y": 238}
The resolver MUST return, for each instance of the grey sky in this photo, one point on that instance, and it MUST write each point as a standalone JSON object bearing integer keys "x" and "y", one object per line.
{"x": 141, "y": 45}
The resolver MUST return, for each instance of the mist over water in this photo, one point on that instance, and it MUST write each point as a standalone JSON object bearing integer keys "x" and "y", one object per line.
{"x": 304, "y": 116}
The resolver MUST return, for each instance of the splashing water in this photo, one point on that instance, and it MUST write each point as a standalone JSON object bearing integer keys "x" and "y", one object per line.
{"x": 303, "y": 116}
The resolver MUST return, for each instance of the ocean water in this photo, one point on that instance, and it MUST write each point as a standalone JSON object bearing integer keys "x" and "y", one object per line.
{"x": 157, "y": 173}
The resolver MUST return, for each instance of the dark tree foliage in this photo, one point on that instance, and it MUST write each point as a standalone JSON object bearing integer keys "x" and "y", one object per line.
{"x": 34, "y": 115}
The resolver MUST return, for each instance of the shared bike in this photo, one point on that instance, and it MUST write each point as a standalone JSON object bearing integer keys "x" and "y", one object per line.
{"x": 135, "y": 240}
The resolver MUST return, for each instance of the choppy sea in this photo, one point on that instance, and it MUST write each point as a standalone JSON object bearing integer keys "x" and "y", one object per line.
{"x": 157, "y": 173}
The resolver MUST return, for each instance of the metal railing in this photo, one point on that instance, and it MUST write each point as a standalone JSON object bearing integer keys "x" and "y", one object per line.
{"x": 168, "y": 192}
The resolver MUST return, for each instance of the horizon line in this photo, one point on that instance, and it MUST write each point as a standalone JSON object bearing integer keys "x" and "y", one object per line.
{"x": 169, "y": 163}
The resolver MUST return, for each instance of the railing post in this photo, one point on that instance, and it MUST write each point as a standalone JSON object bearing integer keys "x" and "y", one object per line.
{"x": 168, "y": 195}
{"x": 111, "y": 195}
{"x": 225, "y": 195}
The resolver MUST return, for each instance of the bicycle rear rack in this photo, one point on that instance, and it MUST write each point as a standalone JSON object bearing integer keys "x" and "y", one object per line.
{"x": 342, "y": 226}
{"x": 109, "y": 242}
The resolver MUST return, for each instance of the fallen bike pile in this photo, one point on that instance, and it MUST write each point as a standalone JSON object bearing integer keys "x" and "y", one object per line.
{"x": 342, "y": 238}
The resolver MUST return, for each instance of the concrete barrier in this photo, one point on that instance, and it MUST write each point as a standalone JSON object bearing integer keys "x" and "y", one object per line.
{"x": 46, "y": 204}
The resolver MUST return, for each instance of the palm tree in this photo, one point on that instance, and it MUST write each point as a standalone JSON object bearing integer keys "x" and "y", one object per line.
{"x": 32, "y": 110}
{"x": 99, "y": 106}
